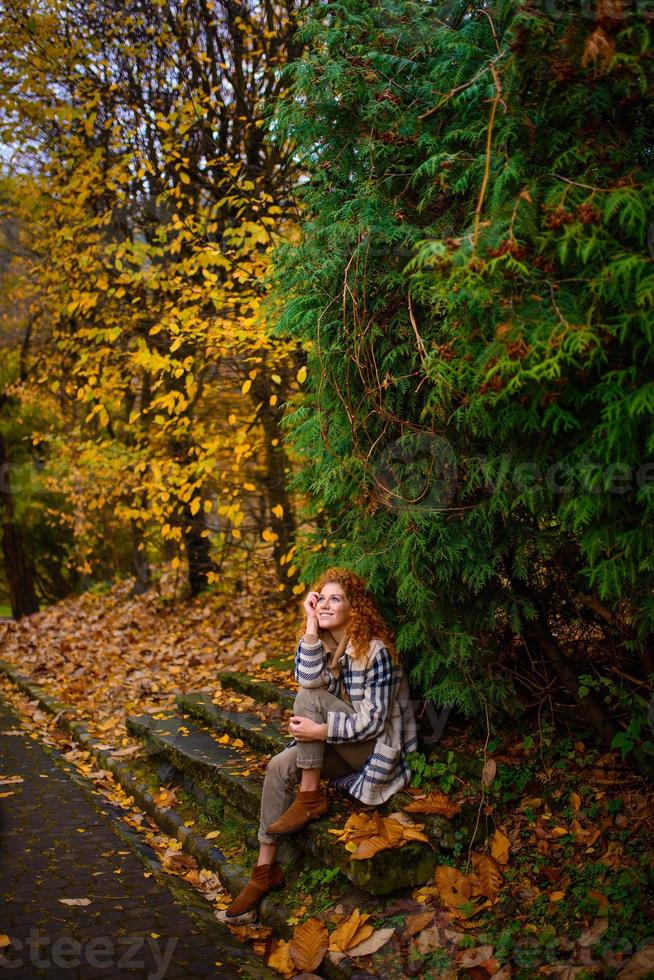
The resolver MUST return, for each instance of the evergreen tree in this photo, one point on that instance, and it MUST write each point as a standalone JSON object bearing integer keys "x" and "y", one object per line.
{"x": 473, "y": 285}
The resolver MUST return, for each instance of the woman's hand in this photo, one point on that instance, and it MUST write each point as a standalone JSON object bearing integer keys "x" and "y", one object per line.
{"x": 311, "y": 609}
{"x": 306, "y": 730}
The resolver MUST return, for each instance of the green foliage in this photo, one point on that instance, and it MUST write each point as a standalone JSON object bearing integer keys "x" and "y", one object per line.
{"x": 426, "y": 771}
{"x": 473, "y": 286}
{"x": 636, "y": 738}
{"x": 510, "y": 782}
{"x": 321, "y": 876}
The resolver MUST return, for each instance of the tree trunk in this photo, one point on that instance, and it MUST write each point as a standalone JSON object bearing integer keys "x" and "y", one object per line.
{"x": 198, "y": 550}
{"x": 646, "y": 658}
{"x": 274, "y": 481}
{"x": 139, "y": 562}
{"x": 18, "y": 568}
{"x": 538, "y": 629}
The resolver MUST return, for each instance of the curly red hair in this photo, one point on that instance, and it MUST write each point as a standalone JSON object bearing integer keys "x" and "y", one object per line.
{"x": 366, "y": 622}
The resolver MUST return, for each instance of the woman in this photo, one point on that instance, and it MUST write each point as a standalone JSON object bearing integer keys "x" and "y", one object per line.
{"x": 353, "y": 722}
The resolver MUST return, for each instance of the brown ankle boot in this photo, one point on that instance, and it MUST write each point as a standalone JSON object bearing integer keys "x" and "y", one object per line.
{"x": 307, "y": 805}
{"x": 263, "y": 879}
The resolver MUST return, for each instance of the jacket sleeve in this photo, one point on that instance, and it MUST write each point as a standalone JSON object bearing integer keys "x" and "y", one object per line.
{"x": 372, "y": 712}
{"x": 310, "y": 666}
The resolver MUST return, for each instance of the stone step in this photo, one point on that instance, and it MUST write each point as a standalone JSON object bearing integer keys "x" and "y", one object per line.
{"x": 195, "y": 753}
{"x": 211, "y": 769}
{"x": 259, "y": 735}
{"x": 262, "y": 691}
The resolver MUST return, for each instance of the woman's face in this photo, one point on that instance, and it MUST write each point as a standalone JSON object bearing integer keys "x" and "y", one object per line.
{"x": 333, "y": 607}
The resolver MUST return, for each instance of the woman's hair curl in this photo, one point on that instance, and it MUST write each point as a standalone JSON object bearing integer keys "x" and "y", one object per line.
{"x": 366, "y": 622}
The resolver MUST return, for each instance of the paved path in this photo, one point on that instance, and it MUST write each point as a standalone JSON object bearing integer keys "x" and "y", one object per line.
{"x": 59, "y": 840}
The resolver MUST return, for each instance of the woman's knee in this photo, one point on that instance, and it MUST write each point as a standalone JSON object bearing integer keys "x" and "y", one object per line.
{"x": 303, "y": 699}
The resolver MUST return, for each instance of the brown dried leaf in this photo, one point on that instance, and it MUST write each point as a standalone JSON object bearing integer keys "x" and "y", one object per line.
{"x": 309, "y": 945}
{"x": 343, "y": 935}
{"x": 370, "y": 846}
{"x": 428, "y": 941}
{"x": 500, "y": 846}
{"x": 361, "y": 934}
{"x": 599, "y": 47}
{"x": 475, "y": 957}
{"x": 584, "y": 836}
{"x": 250, "y": 931}
{"x": 403, "y": 905}
{"x": 594, "y": 933}
{"x": 280, "y": 959}
{"x": 415, "y": 833}
{"x": 489, "y": 873}
{"x": 392, "y": 831}
{"x": 417, "y": 922}
{"x": 489, "y": 772}
{"x": 641, "y": 964}
{"x": 369, "y": 946}
{"x": 453, "y": 887}
{"x": 435, "y": 802}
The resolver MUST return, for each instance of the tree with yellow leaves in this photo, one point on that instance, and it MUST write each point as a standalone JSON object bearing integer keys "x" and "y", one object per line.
{"x": 148, "y": 198}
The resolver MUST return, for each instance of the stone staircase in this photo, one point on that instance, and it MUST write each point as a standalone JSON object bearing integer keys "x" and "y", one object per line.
{"x": 226, "y": 779}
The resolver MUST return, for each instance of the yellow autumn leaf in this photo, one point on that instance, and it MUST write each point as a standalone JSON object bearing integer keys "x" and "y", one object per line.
{"x": 344, "y": 935}
{"x": 278, "y": 511}
{"x": 500, "y": 846}
{"x": 413, "y": 833}
{"x": 453, "y": 887}
{"x": 489, "y": 873}
{"x": 435, "y": 802}
{"x": 309, "y": 945}
{"x": 246, "y": 386}
{"x": 280, "y": 959}
{"x": 302, "y": 375}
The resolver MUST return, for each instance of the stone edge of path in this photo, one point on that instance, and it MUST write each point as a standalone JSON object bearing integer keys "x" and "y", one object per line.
{"x": 232, "y": 876}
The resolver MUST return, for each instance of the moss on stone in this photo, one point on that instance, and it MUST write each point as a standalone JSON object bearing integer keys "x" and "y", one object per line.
{"x": 256, "y": 733}
{"x": 262, "y": 691}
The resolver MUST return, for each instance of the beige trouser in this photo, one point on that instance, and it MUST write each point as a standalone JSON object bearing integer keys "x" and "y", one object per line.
{"x": 283, "y": 772}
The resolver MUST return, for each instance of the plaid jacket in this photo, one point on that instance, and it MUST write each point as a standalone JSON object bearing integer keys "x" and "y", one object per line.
{"x": 379, "y": 693}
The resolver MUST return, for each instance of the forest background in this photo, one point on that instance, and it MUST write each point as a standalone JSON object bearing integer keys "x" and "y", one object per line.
{"x": 290, "y": 285}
